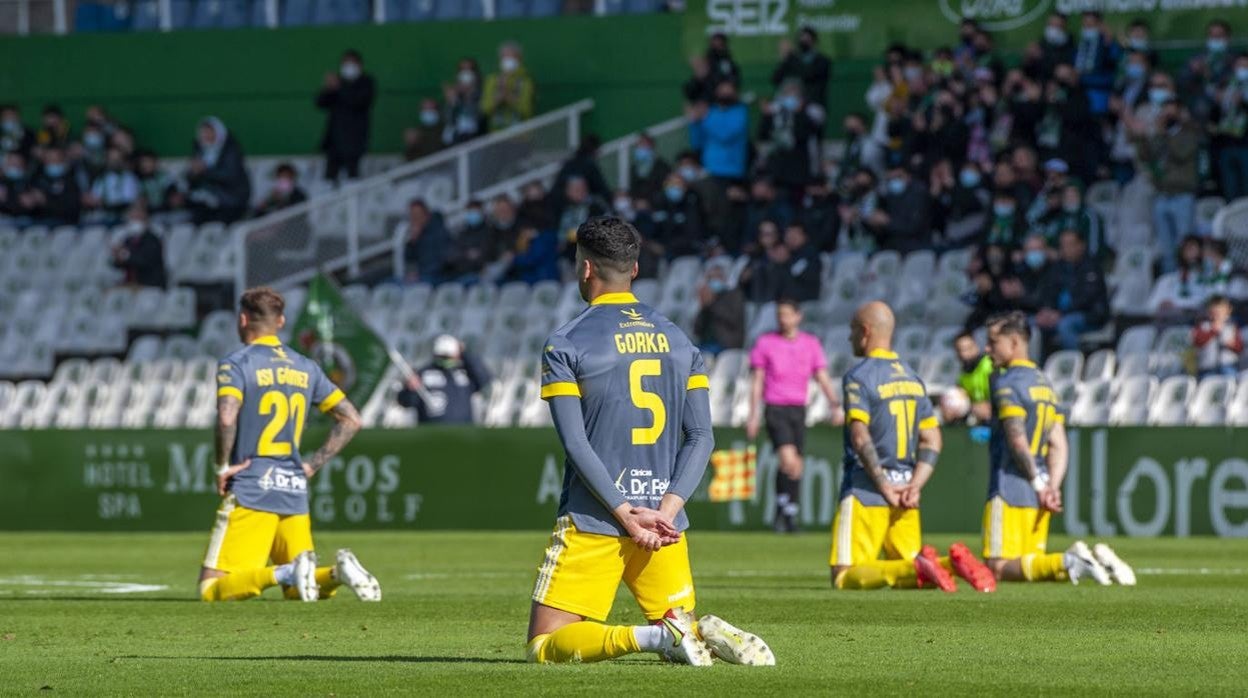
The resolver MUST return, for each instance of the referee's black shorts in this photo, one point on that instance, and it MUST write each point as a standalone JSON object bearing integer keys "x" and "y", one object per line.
{"x": 786, "y": 425}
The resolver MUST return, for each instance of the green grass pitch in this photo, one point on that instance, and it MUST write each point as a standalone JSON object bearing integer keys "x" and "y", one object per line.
{"x": 456, "y": 606}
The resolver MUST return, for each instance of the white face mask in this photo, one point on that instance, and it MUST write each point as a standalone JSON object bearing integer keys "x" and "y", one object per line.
{"x": 509, "y": 64}
{"x": 466, "y": 77}
{"x": 350, "y": 70}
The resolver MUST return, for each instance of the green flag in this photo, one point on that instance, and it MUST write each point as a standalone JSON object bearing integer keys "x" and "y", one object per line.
{"x": 331, "y": 332}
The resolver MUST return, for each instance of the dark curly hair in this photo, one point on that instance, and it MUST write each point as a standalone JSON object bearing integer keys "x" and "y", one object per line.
{"x": 613, "y": 245}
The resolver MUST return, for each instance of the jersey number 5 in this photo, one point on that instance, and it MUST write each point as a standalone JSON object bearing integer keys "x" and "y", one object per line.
{"x": 903, "y": 411}
{"x": 284, "y": 410}
{"x": 646, "y": 400}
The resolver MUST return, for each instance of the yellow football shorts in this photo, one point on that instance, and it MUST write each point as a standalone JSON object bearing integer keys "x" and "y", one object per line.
{"x": 860, "y": 533}
{"x": 1012, "y": 532}
{"x": 247, "y": 539}
{"x": 582, "y": 571}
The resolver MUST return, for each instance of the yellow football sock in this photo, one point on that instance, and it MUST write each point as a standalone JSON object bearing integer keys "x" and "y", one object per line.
{"x": 324, "y": 579}
{"x": 1044, "y": 568}
{"x": 947, "y": 563}
{"x": 237, "y": 586}
{"x": 899, "y": 574}
{"x": 583, "y": 642}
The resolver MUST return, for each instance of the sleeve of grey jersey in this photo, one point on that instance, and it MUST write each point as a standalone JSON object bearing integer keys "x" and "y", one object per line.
{"x": 569, "y": 421}
{"x": 695, "y": 452}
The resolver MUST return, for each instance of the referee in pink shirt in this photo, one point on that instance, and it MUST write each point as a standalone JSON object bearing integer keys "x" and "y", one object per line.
{"x": 783, "y": 363}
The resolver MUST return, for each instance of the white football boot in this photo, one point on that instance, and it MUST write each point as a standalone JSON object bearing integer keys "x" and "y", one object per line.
{"x": 305, "y": 576}
{"x": 734, "y": 645}
{"x": 687, "y": 648}
{"x": 1080, "y": 563}
{"x": 350, "y": 572}
{"x": 1119, "y": 570}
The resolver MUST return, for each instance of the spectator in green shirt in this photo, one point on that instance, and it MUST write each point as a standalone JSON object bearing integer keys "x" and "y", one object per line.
{"x": 969, "y": 401}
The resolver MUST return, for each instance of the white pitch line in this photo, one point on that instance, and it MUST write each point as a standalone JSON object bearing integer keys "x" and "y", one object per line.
{"x": 41, "y": 585}
{"x": 1194, "y": 571}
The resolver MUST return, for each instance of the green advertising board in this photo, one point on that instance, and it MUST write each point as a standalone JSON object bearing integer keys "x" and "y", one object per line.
{"x": 863, "y": 28}
{"x": 1123, "y": 481}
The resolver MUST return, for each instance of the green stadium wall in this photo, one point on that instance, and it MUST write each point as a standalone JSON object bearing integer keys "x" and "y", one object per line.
{"x": 1124, "y": 481}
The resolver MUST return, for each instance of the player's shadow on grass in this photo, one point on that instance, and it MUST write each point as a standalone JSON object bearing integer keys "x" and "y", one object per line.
{"x": 401, "y": 659}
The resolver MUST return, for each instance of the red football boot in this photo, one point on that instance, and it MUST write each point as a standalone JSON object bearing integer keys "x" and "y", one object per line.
{"x": 969, "y": 567}
{"x": 927, "y": 564}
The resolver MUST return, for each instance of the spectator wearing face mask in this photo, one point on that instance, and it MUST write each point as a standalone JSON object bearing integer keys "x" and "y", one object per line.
{"x": 805, "y": 268}
{"x": 677, "y": 216}
{"x": 1072, "y": 296}
{"x": 720, "y": 323}
{"x": 647, "y": 170}
{"x": 1217, "y": 340}
{"x": 1139, "y": 39}
{"x": 472, "y": 248}
{"x": 15, "y": 187}
{"x": 857, "y": 150}
{"x": 90, "y": 154}
{"x": 996, "y": 285}
{"x": 508, "y": 96}
{"x": 1034, "y": 259}
{"x": 14, "y": 137}
{"x": 966, "y": 206}
{"x": 158, "y": 188}
{"x": 1055, "y": 45}
{"x": 463, "y": 118}
{"x": 504, "y": 223}
{"x": 973, "y": 382}
{"x": 720, "y": 215}
{"x": 807, "y": 65}
{"x": 1096, "y": 60}
{"x": 722, "y": 68}
{"x": 54, "y": 196}
{"x": 425, "y": 138}
{"x": 1209, "y": 69}
{"x": 1065, "y": 128}
{"x": 860, "y": 200}
{"x": 53, "y": 129}
{"x": 1171, "y": 156}
{"x": 347, "y": 96}
{"x": 285, "y": 193}
{"x": 426, "y": 244}
{"x": 903, "y": 221}
{"x": 792, "y": 127}
{"x": 441, "y": 392}
{"x": 141, "y": 255}
{"x": 219, "y": 188}
{"x": 1130, "y": 93}
{"x": 720, "y": 135}
{"x": 1007, "y": 226}
{"x": 1229, "y": 125}
{"x": 113, "y": 192}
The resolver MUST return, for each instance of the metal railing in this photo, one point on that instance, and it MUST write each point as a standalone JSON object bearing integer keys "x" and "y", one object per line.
{"x": 613, "y": 159}
{"x": 335, "y": 231}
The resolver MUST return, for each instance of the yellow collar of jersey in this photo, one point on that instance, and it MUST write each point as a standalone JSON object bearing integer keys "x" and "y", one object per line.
{"x": 1023, "y": 363}
{"x": 614, "y": 299}
{"x": 267, "y": 340}
{"x": 882, "y": 354}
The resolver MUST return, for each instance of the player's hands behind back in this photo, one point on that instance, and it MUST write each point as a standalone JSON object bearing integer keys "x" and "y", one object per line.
{"x": 1051, "y": 500}
{"x": 224, "y": 476}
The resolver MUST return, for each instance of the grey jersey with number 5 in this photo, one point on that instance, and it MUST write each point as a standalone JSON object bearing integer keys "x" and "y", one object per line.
{"x": 887, "y": 395}
{"x": 631, "y": 368}
{"x": 277, "y": 386}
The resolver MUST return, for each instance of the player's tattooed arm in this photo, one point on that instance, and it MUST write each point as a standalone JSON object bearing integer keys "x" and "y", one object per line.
{"x": 228, "y": 407}
{"x": 1016, "y": 441}
{"x": 862, "y": 443}
{"x": 346, "y": 425}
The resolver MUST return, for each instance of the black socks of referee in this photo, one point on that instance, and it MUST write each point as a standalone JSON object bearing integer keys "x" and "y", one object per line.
{"x": 788, "y": 494}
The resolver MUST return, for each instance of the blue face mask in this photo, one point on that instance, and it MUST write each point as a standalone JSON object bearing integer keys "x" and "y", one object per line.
{"x": 688, "y": 173}
{"x": 1034, "y": 259}
{"x": 1003, "y": 209}
{"x": 14, "y": 172}
{"x": 674, "y": 194}
{"x": 1158, "y": 95}
{"x": 717, "y": 285}
{"x": 789, "y": 103}
{"x": 473, "y": 217}
{"x": 896, "y": 186}
{"x": 1241, "y": 74}
{"x": 1138, "y": 43}
{"x": 56, "y": 169}
{"x": 1090, "y": 33}
{"x": 969, "y": 178}
{"x": 1135, "y": 71}
{"x": 428, "y": 117}
{"x": 93, "y": 140}
{"x": 643, "y": 153}
{"x": 1216, "y": 45}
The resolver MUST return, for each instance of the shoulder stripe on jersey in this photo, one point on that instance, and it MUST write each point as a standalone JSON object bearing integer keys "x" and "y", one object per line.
{"x": 230, "y": 391}
{"x": 929, "y": 423}
{"x": 855, "y": 414}
{"x": 1060, "y": 418}
{"x": 332, "y": 401}
{"x": 698, "y": 381}
{"x": 564, "y": 389}
{"x": 1012, "y": 411}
